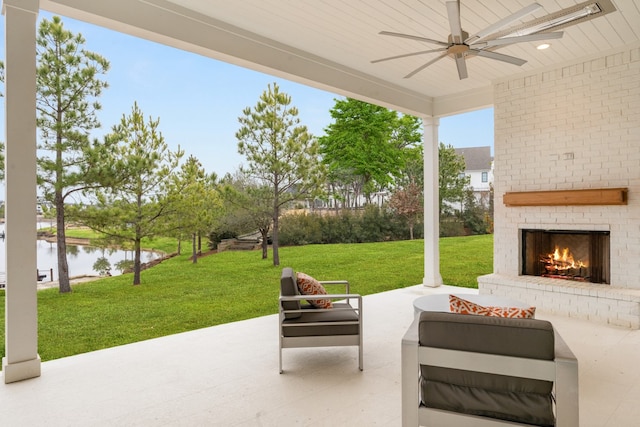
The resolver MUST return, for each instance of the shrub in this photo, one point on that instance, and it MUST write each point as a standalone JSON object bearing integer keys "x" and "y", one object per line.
{"x": 300, "y": 229}
{"x": 474, "y": 215}
{"x": 341, "y": 228}
{"x": 375, "y": 224}
{"x": 371, "y": 224}
{"x": 451, "y": 227}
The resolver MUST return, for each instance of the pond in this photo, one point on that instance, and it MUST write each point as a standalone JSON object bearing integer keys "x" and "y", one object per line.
{"x": 81, "y": 258}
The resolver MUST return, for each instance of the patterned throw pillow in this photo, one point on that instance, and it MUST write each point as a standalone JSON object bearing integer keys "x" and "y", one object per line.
{"x": 462, "y": 306}
{"x": 513, "y": 312}
{"x": 310, "y": 286}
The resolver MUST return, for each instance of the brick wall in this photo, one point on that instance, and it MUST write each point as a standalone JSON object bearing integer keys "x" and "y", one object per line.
{"x": 591, "y": 111}
{"x": 573, "y": 127}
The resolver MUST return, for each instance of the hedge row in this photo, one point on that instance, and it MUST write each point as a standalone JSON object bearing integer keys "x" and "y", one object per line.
{"x": 371, "y": 224}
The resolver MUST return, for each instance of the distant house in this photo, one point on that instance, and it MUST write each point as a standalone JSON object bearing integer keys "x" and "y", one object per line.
{"x": 479, "y": 169}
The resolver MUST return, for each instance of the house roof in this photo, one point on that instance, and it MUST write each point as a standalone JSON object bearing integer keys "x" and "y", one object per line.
{"x": 330, "y": 44}
{"x": 476, "y": 158}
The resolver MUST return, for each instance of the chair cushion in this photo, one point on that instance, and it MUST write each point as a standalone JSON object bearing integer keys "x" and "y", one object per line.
{"x": 463, "y": 306}
{"x": 307, "y": 285}
{"x": 528, "y": 408}
{"x": 497, "y": 396}
{"x": 342, "y": 312}
{"x": 289, "y": 288}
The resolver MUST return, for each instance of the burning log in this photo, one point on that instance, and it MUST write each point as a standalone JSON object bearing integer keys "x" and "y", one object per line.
{"x": 566, "y": 277}
{"x": 561, "y": 264}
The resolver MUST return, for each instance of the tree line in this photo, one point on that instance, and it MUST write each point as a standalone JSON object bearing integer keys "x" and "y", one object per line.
{"x": 129, "y": 185}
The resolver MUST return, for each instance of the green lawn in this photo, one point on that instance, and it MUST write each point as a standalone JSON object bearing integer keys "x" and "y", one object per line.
{"x": 178, "y": 296}
{"x": 162, "y": 244}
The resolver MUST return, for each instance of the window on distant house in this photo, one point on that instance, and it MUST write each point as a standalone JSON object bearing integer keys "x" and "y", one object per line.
{"x": 485, "y": 177}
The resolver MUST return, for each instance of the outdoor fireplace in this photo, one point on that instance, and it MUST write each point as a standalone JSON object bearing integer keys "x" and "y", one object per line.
{"x": 566, "y": 254}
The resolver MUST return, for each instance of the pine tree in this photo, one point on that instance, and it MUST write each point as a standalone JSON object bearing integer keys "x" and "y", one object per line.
{"x": 141, "y": 166}
{"x": 68, "y": 85}
{"x": 281, "y": 153}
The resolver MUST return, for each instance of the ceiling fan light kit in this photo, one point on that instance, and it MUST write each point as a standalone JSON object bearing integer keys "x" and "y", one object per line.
{"x": 460, "y": 46}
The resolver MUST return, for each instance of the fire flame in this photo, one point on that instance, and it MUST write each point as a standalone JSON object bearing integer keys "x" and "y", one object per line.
{"x": 563, "y": 260}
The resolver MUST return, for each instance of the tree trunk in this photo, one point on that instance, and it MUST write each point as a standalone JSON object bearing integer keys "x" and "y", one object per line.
{"x": 410, "y": 231}
{"x": 199, "y": 243}
{"x": 194, "y": 252}
{"x": 136, "y": 262}
{"x": 179, "y": 245}
{"x": 264, "y": 232}
{"x": 274, "y": 236}
{"x": 64, "y": 284}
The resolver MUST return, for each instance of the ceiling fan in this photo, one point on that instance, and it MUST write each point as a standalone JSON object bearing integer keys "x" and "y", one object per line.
{"x": 460, "y": 45}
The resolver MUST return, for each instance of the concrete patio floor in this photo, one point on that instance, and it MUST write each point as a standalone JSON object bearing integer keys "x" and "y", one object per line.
{"x": 227, "y": 375}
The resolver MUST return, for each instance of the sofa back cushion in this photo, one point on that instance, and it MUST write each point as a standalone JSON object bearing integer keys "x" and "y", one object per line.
{"x": 289, "y": 288}
{"x": 497, "y": 396}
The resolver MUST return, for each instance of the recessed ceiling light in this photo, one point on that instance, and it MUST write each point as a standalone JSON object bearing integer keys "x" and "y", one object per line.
{"x": 543, "y": 46}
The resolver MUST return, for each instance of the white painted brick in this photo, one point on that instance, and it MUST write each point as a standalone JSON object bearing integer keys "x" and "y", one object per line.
{"x": 603, "y": 129}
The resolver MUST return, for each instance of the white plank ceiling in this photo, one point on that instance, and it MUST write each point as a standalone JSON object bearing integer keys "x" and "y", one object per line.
{"x": 330, "y": 44}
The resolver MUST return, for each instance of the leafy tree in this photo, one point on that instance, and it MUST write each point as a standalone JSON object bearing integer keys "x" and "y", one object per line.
{"x": 406, "y": 131}
{"x": 413, "y": 171}
{"x": 365, "y": 145}
{"x": 196, "y": 204}
{"x": 142, "y": 164}
{"x": 452, "y": 180}
{"x": 68, "y": 84}
{"x": 249, "y": 207}
{"x": 345, "y": 187}
{"x": 281, "y": 153}
{"x": 408, "y": 203}
{"x": 473, "y": 213}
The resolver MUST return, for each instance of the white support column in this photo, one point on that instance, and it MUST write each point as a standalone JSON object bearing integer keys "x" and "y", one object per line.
{"x": 21, "y": 305}
{"x": 432, "y": 276}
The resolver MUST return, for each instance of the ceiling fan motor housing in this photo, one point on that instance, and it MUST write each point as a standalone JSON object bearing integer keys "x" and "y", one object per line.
{"x": 456, "y": 44}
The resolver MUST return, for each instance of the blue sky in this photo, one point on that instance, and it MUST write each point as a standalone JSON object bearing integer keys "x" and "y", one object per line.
{"x": 198, "y": 100}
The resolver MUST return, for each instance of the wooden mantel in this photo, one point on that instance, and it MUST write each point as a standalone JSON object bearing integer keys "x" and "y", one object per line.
{"x": 596, "y": 196}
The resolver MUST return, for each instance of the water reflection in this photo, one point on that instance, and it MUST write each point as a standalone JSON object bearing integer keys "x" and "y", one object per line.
{"x": 81, "y": 259}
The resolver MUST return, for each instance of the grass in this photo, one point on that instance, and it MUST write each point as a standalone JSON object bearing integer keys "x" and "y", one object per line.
{"x": 162, "y": 244}
{"x": 178, "y": 296}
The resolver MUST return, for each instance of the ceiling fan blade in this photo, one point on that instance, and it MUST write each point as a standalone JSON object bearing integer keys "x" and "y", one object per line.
{"x": 503, "y": 22}
{"x": 499, "y": 56}
{"x": 409, "y": 36}
{"x": 422, "y": 67}
{"x": 461, "y": 64}
{"x": 404, "y": 55}
{"x": 453, "y": 12}
{"x": 521, "y": 39}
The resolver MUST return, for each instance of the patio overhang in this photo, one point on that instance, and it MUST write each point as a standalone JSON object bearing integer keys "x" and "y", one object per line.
{"x": 330, "y": 45}
{"x": 180, "y": 25}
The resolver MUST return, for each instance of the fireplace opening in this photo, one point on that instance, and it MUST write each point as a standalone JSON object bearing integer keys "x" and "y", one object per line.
{"x": 566, "y": 254}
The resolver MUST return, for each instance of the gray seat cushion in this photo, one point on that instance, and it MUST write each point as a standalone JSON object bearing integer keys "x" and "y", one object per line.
{"x": 289, "y": 288}
{"x": 497, "y": 396}
{"x": 341, "y": 312}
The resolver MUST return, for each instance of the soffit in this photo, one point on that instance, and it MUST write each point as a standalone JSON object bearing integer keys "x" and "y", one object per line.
{"x": 329, "y": 44}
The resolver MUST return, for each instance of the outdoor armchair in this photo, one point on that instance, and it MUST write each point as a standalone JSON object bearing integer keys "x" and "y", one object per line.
{"x": 302, "y": 325}
{"x": 469, "y": 370}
